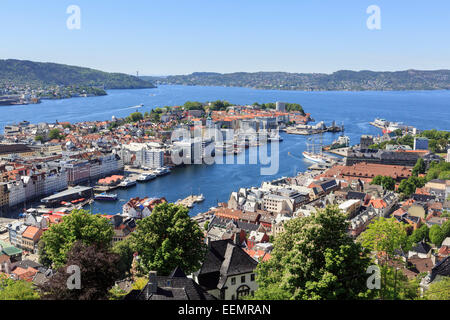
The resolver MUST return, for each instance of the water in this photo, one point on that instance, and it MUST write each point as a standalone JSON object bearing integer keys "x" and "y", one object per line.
{"x": 422, "y": 109}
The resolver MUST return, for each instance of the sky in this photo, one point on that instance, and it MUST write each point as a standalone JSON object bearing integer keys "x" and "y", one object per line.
{"x": 162, "y": 37}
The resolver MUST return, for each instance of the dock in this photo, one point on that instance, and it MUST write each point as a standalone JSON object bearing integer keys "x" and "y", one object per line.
{"x": 189, "y": 201}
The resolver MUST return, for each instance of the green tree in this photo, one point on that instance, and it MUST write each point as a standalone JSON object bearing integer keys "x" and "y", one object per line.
{"x": 39, "y": 138}
{"x": 79, "y": 225}
{"x": 54, "y": 134}
{"x": 409, "y": 186}
{"x": 125, "y": 251}
{"x": 16, "y": 289}
{"x": 385, "y": 236}
{"x": 135, "y": 117}
{"x": 388, "y": 183}
{"x": 168, "y": 238}
{"x": 439, "y": 290}
{"x": 420, "y": 167}
{"x": 396, "y": 286}
{"x": 437, "y": 236}
{"x": 315, "y": 259}
{"x": 418, "y": 235}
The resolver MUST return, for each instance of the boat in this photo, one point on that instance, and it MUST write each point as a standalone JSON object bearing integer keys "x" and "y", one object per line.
{"x": 127, "y": 183}
{"x": 162, "y": 171}
{"x": 200, "y": 198}
{"x": 144, "y": 177}
{"x": 341, "y": 142}
{"x": 311, "y": 153}
{"x": 105, "y": 197}
{"x": 316, "y": 157}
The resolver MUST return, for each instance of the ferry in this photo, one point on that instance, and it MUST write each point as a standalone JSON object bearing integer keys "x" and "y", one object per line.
{"x": 105, "y": 197}
{"x": 127, "y": 183}
{"x": 162, "y": 171}
{"x": 146, "y": 177}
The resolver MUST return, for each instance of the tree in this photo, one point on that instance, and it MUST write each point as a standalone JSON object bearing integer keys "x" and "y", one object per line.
{"x": 418, "y": 235}
{"x": 385, "y": 236}
{"x": 98, "y": 273}
{"x": 54, "y": 134}
{"x": 388, "y": 183}
{"x": 396, "y": 286}
{"x": 420, "y": 167}
{"x": 439, "y": 290}
{"x": 135, "y": 117}
{"x": 315, "y": 259}
{"x": 39, "y": 138}
{"x": 409, "y": 186}
{"x": 437, "y": 236}
{"x": 125, "y": 251}
{"x": 16, "y": 289}
{"x": 168, "y": 238}
{"x": 79, "y": 225}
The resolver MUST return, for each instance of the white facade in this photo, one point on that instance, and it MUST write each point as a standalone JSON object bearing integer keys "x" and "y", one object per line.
{"x": 16, "y": 193}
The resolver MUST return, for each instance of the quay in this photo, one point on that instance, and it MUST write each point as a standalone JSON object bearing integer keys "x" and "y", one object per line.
{"x": 190, "y": 201}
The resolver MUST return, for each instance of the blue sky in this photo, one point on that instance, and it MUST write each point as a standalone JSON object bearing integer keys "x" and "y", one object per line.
{"x": 184, "y": 36}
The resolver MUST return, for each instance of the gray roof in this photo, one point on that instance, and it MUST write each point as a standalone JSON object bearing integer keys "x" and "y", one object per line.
{"x": 223, "y": 259}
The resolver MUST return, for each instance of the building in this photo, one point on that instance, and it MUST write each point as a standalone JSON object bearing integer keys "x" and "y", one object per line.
{"x": 4, "y": 198}
{"x": 228, "y": 272}
{"x": 281, "y": 106}
{"x": 420, "y": 143}
{"x": 350, "y": 207}
{"x": 30, "y": 238}
{"x": 366, "y": 141}
{"x": 378, "y": 156}
{"x": 176, "y": 286}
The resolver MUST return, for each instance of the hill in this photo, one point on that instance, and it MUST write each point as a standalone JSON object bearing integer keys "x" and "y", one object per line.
{"x": 341, "y": 80}
{"x": 22, "y": 72}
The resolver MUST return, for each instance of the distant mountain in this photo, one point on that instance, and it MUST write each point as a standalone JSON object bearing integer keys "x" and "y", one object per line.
{"x": 341, "y": 80}
{"x": 22, "y": 72}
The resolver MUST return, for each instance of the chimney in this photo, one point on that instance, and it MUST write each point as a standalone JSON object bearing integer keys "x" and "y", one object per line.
{"x": 152, "y": 285}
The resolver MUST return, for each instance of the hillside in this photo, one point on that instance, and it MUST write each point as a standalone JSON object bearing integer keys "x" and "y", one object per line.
{"x": 22, "y": 72}
{"x": 340, "y": 80}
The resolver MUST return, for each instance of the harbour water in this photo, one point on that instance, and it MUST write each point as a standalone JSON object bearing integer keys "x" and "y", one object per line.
{"x": 422, "y": 109}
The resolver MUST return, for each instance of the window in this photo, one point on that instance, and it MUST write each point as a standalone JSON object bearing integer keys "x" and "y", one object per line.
{"x": 242, "y": 279}
{"x": 233, "y": 281}
{"x": 252, "y": 277}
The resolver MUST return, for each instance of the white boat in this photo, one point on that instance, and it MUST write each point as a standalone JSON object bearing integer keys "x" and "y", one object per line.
{"x": 200, "y": 198}
{"x": 144, "y": 177}
{"x": 162, "y": 171}
{"x": 127, "y": 183}
{"x": 314, "y": 157}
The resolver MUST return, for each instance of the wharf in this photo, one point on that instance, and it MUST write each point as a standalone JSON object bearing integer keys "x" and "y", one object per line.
{"x": 189, "y": 201}
{"x": 340, "y": 151}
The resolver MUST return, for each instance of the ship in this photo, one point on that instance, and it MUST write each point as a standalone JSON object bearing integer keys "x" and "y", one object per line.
{"x": 341, "y": 142}
{"x": 311, "y": 154}
{"x": 162, "y": 171}
{"x": 127, "y": 183}
{"x": 105, "y": 197}
{"x": 144, "y": 177}
{"x": 316, "y": 157}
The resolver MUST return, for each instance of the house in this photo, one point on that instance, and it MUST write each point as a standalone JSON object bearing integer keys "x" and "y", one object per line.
{"x": 30, "y": 238}
{"x": 256, "y": 237}
{"x": 422, "y": 250}
{"x": 176, "y": 286}
{"x": 228, "y": 272}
